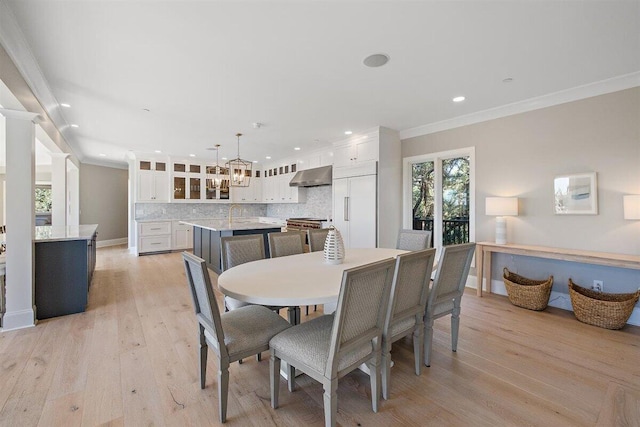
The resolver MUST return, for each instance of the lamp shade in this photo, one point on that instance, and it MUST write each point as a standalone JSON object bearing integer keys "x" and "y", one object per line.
{"x": 501, "y": 206}
{"x": 631, "y": 206}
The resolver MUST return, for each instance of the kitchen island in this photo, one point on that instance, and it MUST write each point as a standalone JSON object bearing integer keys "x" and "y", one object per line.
{"x": 207, "y": 234}
{"x": 65, "y": 258}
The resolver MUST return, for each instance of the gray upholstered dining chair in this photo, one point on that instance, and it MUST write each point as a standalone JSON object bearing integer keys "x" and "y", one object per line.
{"x": 232, "y": 335}
{"x": 328, "y": 347}
{"x": 317, "y": 238}
{"x": 406, "y": 308}
{"x": 237, "y": 250}
{"x": 414, "y": 240}
{"x": 446, "y": 293}
{"x": 286, "y": 243}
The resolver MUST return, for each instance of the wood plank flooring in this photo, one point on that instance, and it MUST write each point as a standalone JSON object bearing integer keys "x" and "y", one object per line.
{"x": 131, "y": 359}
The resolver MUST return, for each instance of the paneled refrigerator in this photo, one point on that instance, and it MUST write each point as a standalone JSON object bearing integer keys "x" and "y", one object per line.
{"x": 355, "y": 205}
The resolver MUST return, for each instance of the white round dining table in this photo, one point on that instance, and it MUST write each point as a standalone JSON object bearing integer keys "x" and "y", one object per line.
{"x": 295, "y": 280}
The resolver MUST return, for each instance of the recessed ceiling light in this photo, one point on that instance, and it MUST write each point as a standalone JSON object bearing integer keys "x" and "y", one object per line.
{"x": 268, "y": 157}
{"x": 65, "y": 105}
{"x": 376, "y": 60}
{"x": 224, "y": 158}
{"x": 158, "y": 151}
{"x": 255, "y": 161}
{"x": 102, "y": 155}
{"x": 296, "y": 148}
{"x": 507, "y": 80}
{"x": 348, "y": 132}
{"x": 458, "y": 99}
{"x": 192, "y": 155}
{"x": 75, "y": 126}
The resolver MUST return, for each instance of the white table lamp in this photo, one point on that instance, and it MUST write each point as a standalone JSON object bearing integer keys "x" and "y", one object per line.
{"x": 631, "y": 206}
{"x": 501, "y": 207}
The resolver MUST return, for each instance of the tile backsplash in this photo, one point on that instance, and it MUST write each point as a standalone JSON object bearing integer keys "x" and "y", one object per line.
{"x": 317, "y": 205}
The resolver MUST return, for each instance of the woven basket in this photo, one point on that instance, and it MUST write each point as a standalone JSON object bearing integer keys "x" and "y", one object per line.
{"x": 610, "y": 311}
{"x": 527, "y": 293}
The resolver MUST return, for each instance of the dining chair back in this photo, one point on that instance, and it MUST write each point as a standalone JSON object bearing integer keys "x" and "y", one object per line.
{"x": 286, "y": 243}
{"x": 317, "y": 238}
{"x": 236, "y": 250}
{"x": 414, "y": 240}
{"x": 328, "y": 347}
{"x": 406, "y": 310}
{"x": 446, "y": 293}
{"x": 231, "y": 335}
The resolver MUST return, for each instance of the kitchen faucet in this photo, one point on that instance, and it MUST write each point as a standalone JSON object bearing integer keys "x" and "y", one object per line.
{"x": 231, "y": 207}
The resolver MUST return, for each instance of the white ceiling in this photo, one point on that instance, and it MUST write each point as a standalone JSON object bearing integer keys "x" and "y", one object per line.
{"x": 208, "y": 69}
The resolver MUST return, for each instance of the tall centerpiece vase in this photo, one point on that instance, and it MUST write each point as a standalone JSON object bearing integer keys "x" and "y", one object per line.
{"x": 333, "y": 247}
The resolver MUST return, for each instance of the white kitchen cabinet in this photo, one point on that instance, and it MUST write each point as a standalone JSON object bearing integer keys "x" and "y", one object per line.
{"x": 358, "y": 150}
{"x": 250, "y": 194}
{"x": 276, "y": 189}
{"x": 154, "y": 236}
{"x": 355, "y": 210}
{"x": 377, "y": 153}
{"x": 153, "y": 182}
{"x": 182, "y": 236}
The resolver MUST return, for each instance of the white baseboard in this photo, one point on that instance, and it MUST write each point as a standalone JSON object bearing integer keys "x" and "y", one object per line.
{"x": 557, "y": 299}
{"x": 112, "y": 242}
{"x": 13, "y": 320}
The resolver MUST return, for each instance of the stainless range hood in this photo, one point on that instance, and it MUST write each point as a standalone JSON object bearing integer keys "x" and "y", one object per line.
{"x": 312, "y": 177}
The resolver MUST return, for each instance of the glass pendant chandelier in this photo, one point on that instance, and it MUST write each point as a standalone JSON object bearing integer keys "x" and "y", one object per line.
{"x": 239, "y": 170}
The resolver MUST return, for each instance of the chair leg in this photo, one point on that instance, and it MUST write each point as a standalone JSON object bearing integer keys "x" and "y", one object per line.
{"x": 274, "y": 369}
{"x": 330, "y": 402}
{"x": 307, "y": 310}
{"x": 386, "y": 371}
{"x": 204, "y": 350}
{"x": 455, "y": 325}
{"x": 223, "y": 392}
{"x": 375, "y": 375}
{"x": 418, "y": 346}
{"x": 259, "y": 357}
{"x": 291, "y": 377}
{"x": 428, "y": 338}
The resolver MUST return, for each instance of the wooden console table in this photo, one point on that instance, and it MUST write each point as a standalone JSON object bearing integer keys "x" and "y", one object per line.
{"x": 484, "y": 250}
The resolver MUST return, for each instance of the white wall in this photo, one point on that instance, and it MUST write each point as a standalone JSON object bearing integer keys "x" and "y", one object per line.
{"x": 520, "y": 155}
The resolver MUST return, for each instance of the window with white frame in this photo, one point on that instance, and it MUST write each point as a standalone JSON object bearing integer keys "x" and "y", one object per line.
{"x": 438, "y": 195}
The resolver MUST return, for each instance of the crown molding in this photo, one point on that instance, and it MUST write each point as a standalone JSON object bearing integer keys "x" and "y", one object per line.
{"x": 602, "y": 87}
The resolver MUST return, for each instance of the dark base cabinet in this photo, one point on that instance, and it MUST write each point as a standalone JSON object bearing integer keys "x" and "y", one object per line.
{"x": 206, "y": 243}
{"x": 63, "y": 273}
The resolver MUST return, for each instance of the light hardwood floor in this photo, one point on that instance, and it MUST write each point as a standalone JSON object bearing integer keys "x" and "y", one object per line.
{"x": 131, "y": 359}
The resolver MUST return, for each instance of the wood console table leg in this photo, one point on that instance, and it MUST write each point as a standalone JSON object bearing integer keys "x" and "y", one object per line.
{"x": 487, "y": 270}
{"x": 479, "y": 268}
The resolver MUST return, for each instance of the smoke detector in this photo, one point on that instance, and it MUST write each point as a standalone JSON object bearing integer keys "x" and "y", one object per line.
{"x": 257, "y": 125}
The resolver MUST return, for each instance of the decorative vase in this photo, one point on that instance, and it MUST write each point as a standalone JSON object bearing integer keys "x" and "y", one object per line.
{"x": 333, "y": 247}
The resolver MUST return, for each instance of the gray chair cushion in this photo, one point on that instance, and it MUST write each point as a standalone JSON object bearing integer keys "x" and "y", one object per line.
{"x": 250, "y": 327}
{"x": 310, "y": 341}
{"x": 402, "y": 326}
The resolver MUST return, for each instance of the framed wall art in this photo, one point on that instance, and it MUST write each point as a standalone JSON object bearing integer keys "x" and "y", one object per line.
{"x": 576, "y": 194}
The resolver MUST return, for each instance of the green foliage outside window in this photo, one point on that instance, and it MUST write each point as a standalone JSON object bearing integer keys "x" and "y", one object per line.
{"x": 43, "y": 199}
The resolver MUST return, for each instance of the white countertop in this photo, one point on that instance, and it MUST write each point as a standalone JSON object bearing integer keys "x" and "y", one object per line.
{"x": 49, "y": 233}
{"x": 237, "y": 224}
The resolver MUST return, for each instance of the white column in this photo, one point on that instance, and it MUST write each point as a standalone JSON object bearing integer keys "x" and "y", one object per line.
{"x": 73, "y": 194}
{"x": 20, "y": 220}
{"x": 59, "y": 189}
